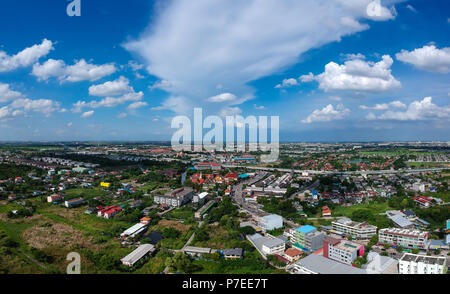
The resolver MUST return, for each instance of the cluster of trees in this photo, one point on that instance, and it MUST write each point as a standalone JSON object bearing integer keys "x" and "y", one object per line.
{"x": 171, "y": 233}
{"x": 225, "y": 208}
{"x": 181, "y": 263}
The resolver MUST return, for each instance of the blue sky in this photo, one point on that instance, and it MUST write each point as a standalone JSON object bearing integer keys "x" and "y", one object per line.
{"x": 123, "y": 69}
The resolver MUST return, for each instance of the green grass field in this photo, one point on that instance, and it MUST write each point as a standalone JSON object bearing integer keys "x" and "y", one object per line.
{"x": 376, "y": 208}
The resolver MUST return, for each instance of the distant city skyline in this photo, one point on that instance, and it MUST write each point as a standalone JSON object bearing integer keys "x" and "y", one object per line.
{"x": 122, "y": 70}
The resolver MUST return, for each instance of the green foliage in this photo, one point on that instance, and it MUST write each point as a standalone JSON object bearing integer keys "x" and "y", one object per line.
{"x": 171, "y": 233}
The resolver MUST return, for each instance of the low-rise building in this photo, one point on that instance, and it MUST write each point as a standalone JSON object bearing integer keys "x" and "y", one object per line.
{"x": 292, "y": 254}
{"x": 342, "y": 250}
{"x": 378, "y": 264}
{"x": 74, "y": 202}
{"x": 54, "y": 198}
{"x": 308, "y": 238}
{"x": 422, "y": 264}
{"x": 316, "y": 264}
{"x": 200, "y": 198}
{"x": 274, "y": 246}
{"x": 199, "y": 214}
{"x": 403, "y": 237}
{"x": 236, "y": 253}
{"x": 347, "y": 227}
{"x": 270, "y": 222}
{"x": 134, "y": 230}
{"x": 197, "y": 251}
{"x": 176, "y": 198}
{"x": 137, "y": 254}
{"x": 109, "y": 212}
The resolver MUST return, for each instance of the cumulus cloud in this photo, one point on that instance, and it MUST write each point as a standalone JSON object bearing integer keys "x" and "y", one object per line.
{"x": 287, "y": 83}
{"x": 177, "y": 104}
{"x": 410, "y": 7}
{"x": 335, "y": 98}
{"x": 230, "y": 111}
{"x": 357, "y": 75}
{"x": 44, "y": 106}
{"x": 224, "y": 97}
{"x": 7, "y": 113}
{"x": 80, "y": 71}
{"x": 384, "y": 106}
{"x": 87, "y": 114}
{"x": 112, "y": 88}
{"x": 163, "y": 85}
{"x": 261, "y": 107}
{"x": 137, "y": 105}
{"x": 6, "y": 94}
{"x": 108, "y": 101}
{"x": 25, "y": 57}
{"x": 328, "y": 113}
{"x": 21, "y": 105}
{"x": 417, "y": 110}
{"x": 197, "y": 45}
{"x": 427, "y": 58}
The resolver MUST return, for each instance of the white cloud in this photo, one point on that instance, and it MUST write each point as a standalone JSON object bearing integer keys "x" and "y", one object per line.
{"x": 357, "y": 75}
{"x": 261, "y": 107}
{"x": 352, "y": 56}
{"x": 410, "y": 7}
{"x": 7, "y": 113}
{"x": 87, "y": 114}
{"x": 108, "y": 101}
{"x": 417, "y": 110}
{"x": 384, "y": 106}
{"x": 135, "y": 66}
{"x": 427, "y": 58}
{"x": 177, "y": 104}
{"x": 224, "y": 97}
{"x": 328, "y": 113}
{"x": 112, "y": 88}
{"x": 335, "y": 98}
{"x": 197, "y": 45}
{"x": 230, "y": 111}
{"x": 287, "y": 83}
{"x": 80, "y": 71}
{"x": 26, "y": 57}
{"x": 6, "y": 94}
{"x": 122, "y": 115}
{"x": 137, "y": 105}
{"x": 378, "y": 12}
{"x": 163, "y": 85}
{"x": 44, "y": 106}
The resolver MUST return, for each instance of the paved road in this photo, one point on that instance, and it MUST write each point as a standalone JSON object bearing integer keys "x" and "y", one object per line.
{"x": 318, "y": 172}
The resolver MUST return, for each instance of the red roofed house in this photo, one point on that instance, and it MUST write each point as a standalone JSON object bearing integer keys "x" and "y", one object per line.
{"x": 145, "y": 220}
{"x": 326, "y": 211}
{"x": 293, "y": 254}
{"x": 109, "y": 212}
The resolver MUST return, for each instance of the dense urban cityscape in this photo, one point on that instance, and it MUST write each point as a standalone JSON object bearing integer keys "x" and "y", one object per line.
{"x": 224, "y": 145}
{"x": 350, "y": 208}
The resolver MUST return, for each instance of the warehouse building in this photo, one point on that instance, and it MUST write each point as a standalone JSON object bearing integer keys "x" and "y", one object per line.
{"x": 137, "y": 254}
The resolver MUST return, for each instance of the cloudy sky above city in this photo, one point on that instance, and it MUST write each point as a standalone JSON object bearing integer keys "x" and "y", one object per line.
{"x": 329, "y": 69}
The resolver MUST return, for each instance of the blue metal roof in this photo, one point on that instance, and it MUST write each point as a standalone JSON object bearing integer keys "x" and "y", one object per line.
{"x": 306, "y": 229}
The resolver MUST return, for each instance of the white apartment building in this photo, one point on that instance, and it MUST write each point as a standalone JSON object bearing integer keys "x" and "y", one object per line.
{"x": 177, "y": 197}
{"x": 274, "y": 246}
{"x": 422, "y": 264}
{"x": 270, "y": 222}
{"x": 347, "y": 227}
{"x": 342, "y": 250}
{"x": 403, "y": 237}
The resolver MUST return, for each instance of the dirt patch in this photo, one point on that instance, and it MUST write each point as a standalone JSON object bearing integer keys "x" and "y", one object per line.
{"x": 59, "y": 235}
{"x": 172, "y": 224}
